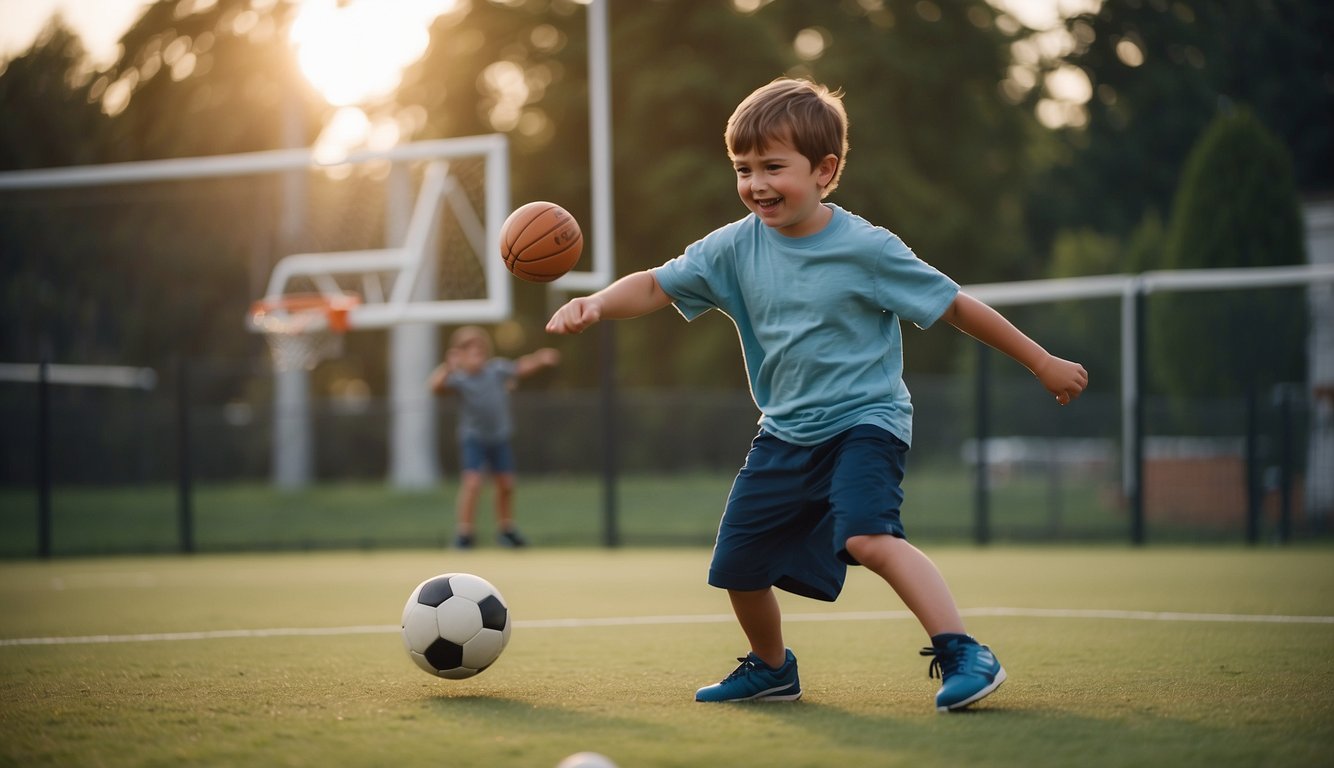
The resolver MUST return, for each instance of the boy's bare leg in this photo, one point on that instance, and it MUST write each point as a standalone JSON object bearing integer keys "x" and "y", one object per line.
{"x": 505, "y": 500}
{"x": 914, "y": 577}
{"x": 470, "y": 487}
{"x": 761, "y": 619}
{"x": 969, "y": 672}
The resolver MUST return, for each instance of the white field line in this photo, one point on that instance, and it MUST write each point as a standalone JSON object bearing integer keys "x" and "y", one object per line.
{"x": 708, "y": 618}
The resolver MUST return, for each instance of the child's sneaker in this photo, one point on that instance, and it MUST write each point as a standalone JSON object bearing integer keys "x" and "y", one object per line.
{"x": 463, "y": 541}
{"x": 756, "y": 681}
{"x": 511, "y": 539}
{"x": 968, "y": 672}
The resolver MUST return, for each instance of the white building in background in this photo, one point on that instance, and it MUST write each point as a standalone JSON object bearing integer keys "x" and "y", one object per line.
{"x": 1319, "y": 218}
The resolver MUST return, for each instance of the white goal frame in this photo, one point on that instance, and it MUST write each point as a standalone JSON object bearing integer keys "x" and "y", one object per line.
{"x": 408, "y": 310}
{"x": 403, "y": 304}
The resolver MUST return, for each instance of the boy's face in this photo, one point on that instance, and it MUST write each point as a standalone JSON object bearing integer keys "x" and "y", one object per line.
{"x": 779, "y": 185}
{"x": 469, "y": 356}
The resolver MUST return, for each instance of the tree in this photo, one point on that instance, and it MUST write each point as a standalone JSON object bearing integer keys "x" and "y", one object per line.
{"x": 207, "y": 83}
{"x": 938, "y": 155}
{"x": 1237, "y": 207}
{"x": 119, "y": 280}
{"x": 1161, "y": 72}
{"x": 46, "y": 118}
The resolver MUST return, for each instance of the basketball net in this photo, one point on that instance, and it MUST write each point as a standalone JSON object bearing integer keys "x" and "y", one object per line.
{"x": 302, "y": 328}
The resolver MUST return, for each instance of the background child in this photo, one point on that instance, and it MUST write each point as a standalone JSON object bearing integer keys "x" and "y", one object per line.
{"x": 817, "y": 295}
{"x": 483, "y": 384}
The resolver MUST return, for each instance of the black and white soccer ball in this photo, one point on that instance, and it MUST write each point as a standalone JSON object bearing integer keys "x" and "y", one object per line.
{"x": 455, "y": 625}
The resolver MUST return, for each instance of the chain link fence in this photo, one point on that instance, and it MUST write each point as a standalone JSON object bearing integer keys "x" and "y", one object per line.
{"x": 1044, "y": 478}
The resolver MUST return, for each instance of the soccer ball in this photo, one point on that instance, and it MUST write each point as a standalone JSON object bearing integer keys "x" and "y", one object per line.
{"x": 455, "y": 625}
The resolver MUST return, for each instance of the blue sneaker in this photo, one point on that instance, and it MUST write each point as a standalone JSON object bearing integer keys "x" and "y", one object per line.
{"x": 968, "y": 672}
{"x": 756, "y": 681}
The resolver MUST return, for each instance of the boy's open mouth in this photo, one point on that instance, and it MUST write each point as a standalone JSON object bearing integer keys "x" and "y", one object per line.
{"x": 768, "y": 204}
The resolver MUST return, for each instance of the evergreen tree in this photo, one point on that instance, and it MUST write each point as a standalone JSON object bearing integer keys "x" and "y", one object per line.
{"x": 1161, "y": 72}
{"x": 1237, "y": 206}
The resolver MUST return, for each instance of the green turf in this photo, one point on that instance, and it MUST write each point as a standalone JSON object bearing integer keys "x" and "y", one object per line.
{"x": 678, "y": 509}
{"x": 1083, "y": 691}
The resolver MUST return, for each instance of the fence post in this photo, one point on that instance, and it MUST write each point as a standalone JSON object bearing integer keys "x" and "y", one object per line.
{"x": 44, "y": 458}
{"x": 1252, "y": 469}
{"x": 611, "y": 533}
{"x": 1285, "y": 463}
{"x": 184, "y": 507}
{"x": 981, "y": 491}
{"x": 1141, "y": 313}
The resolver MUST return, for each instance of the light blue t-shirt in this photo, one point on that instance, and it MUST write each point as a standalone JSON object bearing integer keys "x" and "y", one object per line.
{"x": 818, "y": 318}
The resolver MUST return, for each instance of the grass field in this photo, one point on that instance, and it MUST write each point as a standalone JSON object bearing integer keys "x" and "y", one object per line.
{"x": 675, "y": 509}
{"x": 1164, "y": 656}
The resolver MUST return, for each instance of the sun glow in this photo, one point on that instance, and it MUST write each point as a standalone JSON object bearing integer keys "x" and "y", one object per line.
{"x": 354, "y": 51}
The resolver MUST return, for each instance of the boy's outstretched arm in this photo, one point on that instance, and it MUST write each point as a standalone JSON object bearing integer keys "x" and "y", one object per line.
{"x": 1063, "y": 378}
{"x": 437, "y": 380}
{"x": 631, "y": 296}
{"x": 535, "y": 361}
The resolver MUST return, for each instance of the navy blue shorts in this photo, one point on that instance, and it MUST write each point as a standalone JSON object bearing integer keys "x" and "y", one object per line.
{"x": 793, "y": 508}
{"x": 478, "y": 455}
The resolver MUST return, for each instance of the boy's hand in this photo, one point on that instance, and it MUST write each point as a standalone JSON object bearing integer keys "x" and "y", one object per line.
{"x": 1063, "y": 378}
{"x": 575, "y": 316}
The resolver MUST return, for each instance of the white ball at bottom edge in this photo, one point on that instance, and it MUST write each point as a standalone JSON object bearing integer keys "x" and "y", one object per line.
{"x": 586, "y": 760}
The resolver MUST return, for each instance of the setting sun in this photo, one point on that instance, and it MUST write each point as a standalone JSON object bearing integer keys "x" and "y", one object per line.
{"x": 354, "y": 51}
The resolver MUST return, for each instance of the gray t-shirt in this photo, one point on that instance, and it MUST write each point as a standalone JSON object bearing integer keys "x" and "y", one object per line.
{"x": 484, "y": 400}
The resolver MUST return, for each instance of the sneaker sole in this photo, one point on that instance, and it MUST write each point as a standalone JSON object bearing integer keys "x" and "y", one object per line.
{"x": 784, "y": 697}
{"x": 982, "y": 694}
{"x": 759, "y": 697}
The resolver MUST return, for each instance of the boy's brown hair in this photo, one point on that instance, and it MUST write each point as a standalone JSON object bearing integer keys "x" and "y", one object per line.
{"x": 470, "y": 335}
{"x": 807, "y": 114}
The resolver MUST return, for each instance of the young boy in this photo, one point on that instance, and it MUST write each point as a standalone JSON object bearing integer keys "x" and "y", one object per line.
{"x": 817, "y": 294}
{"x": 483, "y": 383}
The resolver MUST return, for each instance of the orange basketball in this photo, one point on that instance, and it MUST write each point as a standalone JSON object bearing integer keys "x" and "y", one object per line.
{"x": 540, "y": 242}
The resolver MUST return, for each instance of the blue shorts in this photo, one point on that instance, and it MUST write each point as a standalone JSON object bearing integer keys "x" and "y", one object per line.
{"x": 793, "y": 508}
{"x": 478, "y": 455}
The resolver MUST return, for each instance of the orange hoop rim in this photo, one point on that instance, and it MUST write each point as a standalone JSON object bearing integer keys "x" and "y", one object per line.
{"x": 333, "y": 307}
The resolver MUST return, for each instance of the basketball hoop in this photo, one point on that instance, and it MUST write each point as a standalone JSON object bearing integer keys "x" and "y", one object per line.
{"x": 302, "y": 328}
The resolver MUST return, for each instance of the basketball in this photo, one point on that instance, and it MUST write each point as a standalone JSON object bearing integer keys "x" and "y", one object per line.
{"x": 540, "y": 242}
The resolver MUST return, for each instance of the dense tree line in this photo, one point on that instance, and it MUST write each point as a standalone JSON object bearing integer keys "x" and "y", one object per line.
{"x": 1161, "y": 72}
{"x": 942, "y": 151}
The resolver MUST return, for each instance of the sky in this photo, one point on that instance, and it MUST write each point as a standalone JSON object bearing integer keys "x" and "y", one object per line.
{"x": 100, "y": 23}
